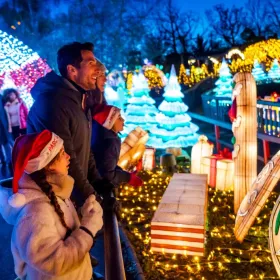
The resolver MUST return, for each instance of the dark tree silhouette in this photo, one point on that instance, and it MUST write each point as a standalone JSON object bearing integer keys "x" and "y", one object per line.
{"x": 227, "y": 23}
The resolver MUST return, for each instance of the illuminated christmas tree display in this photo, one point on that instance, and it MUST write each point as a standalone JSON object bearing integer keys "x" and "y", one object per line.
{"x": 140, "y": 110}
{"x": 115, "y": 98}
{"x": 111, "y": 96}
{"x": 20, "y": 64}
{"x": 115, "y": 81}
{"x": 274, "y": 72}
{"x": 174, "y": 125}
{"x": 183, "y": 77}
{"x": 224, "y": 83}
{"x": 258, "y": 73}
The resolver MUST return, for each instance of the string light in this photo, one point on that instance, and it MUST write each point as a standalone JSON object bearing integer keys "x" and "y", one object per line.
{"x": 183, "y": 78}
{"x": 20, "y": 66}
{"x": 225, "y": 259}
{"x": 155, "y": 76}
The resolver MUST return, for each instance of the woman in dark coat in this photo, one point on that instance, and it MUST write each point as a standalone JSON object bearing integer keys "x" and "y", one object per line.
{"x": 106, "y": 145}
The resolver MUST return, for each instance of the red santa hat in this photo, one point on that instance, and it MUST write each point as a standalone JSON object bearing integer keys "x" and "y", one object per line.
{"x": 31, "y": 153}
{"x": 106, "y": 115}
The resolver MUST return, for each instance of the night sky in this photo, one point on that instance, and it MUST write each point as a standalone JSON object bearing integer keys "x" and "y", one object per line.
{"x": 202, "y": 5}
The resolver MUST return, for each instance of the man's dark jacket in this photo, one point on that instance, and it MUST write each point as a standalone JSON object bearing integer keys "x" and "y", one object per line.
{"x": 106, "y": 146}
{"x": 58, "y": 108}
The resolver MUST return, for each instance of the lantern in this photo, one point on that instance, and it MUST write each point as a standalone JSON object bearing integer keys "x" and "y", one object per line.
{"x": 124, "y": 161}
{"x": 124, "y": 149}
{"x": 136, "y": 153}
{"x": 201, "y": 149}
{"x": 168, "y": 162}
{"x": 244, "y": 128}
{"x": 274, "y": 235}
{"x": 225, "y": 175}
{"x": 178, "y": 225}
{"x": 174, "y": 151}
{"x": 132, "y": 148}
{"x": 148, "y": 160}
{"x": 256, "y": 197}
{"x": 220, "y": 172}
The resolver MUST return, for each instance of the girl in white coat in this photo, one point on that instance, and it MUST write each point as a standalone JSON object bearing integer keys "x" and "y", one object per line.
{"x": 48, "y": 240}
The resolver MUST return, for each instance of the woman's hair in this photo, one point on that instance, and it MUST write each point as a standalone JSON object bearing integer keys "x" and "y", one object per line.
{"x": 7, "y": 92}
{"x": 40, "y": 178}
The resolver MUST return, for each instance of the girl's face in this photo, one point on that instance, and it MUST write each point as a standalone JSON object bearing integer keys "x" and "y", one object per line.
{"x": 118, "y": 125}
{"x": 101, "y": 81}
{"x": 12, "y": 97}
{"x": 61, "y": 165}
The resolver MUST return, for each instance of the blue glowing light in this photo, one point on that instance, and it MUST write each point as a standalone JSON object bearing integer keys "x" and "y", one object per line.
{"x": 174, "y": 127}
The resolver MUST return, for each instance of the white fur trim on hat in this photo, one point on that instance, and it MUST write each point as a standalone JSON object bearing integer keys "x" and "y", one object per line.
{"x": 46, "y": 155}
{"x": 17, "y": 200}
{"x": 112, "y": 117}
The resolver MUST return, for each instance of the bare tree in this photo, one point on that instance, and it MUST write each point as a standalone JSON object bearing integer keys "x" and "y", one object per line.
{"x": 177, "y": 27}
{"x": 227, "y": 23}
{"x": 257, "y": 17}
{"x": 274, "y": 15}
{"x": 201, "y": 46}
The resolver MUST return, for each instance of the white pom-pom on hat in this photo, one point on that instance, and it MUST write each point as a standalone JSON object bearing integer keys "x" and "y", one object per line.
{"x": 17, "y": 200}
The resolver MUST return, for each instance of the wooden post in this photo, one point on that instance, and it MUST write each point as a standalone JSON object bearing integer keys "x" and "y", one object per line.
{"x": 217, "y": 134}
{"x": 244, "y": 129}
{"x": 266, "y": 151}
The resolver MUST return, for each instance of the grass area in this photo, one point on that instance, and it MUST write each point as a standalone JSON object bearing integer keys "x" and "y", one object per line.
{"x": 225, "y": 258}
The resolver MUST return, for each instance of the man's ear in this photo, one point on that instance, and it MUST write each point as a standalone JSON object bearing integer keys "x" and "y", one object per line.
{"x": 71, "y": 70}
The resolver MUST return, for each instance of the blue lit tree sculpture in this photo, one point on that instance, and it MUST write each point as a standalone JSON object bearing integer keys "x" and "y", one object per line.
{"x": 258, "y": 73}
{"x": 140, "y": 110}
{"x": 174, "y": 129}
{"x": 274, "y": 72}
{"x": 224, "y": 83}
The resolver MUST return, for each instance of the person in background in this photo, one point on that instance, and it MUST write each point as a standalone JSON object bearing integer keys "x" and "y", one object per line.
{"x": 96, "y": 96}
{"x": 6, "y": 141}
{"x": 16, "y": 111}
{"x": 106, "y": 145}
{"x": 49, "y": 242}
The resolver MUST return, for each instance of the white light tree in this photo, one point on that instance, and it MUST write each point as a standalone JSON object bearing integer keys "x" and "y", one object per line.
{"x": 274, "y": 72}
{"x": 224, "y": 83}
{"x": 258, "y": 73}
{"x": 174, "y": 129}
{"x": 140, "y": 110}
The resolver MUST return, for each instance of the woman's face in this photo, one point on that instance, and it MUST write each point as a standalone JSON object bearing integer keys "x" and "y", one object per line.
{"x": 118, "y": 125}
{"x": 101, "y": 81}
{"x": 61, "y": 165}
{"x": 12, "y": 97}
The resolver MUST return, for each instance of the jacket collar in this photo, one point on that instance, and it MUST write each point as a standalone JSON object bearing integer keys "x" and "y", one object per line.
{"x": 80, "y": 89}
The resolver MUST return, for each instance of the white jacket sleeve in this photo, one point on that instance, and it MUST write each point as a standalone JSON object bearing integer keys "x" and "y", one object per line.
{"x": 40, "y": 246}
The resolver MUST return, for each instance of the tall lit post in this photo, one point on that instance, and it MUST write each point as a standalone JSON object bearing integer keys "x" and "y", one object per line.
{"x": 244, "y": 128}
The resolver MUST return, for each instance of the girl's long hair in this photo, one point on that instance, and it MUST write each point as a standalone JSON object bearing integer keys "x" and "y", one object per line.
{"x": 40, "y": 178}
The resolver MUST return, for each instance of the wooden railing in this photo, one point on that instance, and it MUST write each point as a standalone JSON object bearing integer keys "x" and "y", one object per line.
{"x": 268, "y": 113}
{"x": 268, "y": 117}
{"x": 266, "y": 139}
